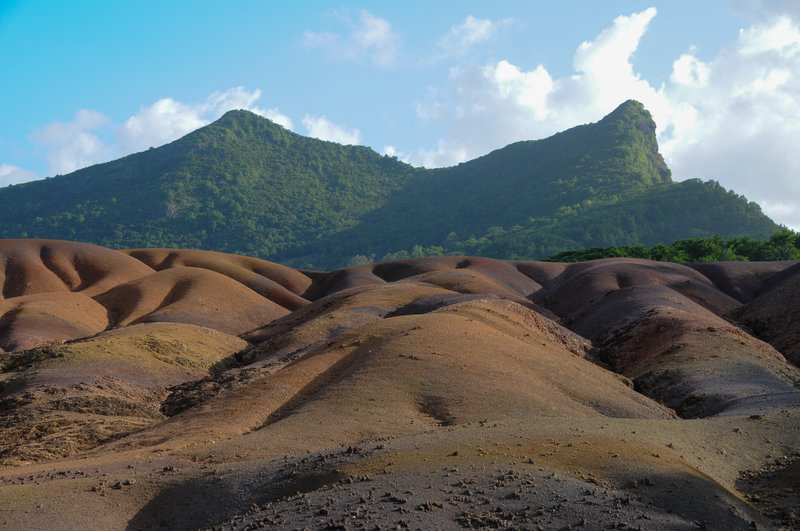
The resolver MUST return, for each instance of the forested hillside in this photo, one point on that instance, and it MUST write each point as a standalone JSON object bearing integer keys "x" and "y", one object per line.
{"x": 246, "y": 185}
{"x": 242, "y": 184}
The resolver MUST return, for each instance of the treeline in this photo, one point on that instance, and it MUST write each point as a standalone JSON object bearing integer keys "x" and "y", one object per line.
{"x": 783, "y": 245}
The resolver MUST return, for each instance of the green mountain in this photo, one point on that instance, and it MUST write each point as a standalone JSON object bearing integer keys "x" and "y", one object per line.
{"x": 242, "y": 184}
{"x": 246, "y": 185}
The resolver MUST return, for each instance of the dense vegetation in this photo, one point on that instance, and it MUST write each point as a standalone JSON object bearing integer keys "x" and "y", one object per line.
{"x": 242, "y": 184}
{"x": 783, "y": 245}
{"x": 246, "y": 185}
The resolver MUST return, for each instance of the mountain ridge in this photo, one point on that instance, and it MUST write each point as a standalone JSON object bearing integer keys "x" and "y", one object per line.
{"x": 244, "y": 184}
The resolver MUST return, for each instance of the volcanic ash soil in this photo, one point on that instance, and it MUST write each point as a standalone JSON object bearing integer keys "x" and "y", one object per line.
{"x": 163, "y": 388}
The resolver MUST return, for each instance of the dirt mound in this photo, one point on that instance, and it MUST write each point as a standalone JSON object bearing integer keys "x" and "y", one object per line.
{"x": 432, "y": 370}
{"x": 665, "y": 326}
{"x": 55, "y": 291}
{"x": 189, "y": 295}
{"x": 186, "y": 389}
{"x": 44, "y": 318}
{"x": 44, "y": 266}
{"x": 280, "y": 284}
{"x": 742, "y": 280}
{"x": 774, "y": 314}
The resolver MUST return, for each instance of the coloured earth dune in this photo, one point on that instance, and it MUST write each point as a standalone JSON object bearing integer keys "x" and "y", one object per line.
{"x": 183, "y": 389}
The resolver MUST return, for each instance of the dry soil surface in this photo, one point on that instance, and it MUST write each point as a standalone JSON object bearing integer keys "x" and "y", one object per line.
{"x": 177, "y": 389}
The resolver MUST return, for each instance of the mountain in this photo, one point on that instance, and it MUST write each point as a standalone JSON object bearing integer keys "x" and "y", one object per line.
{"x": 246, "y": 185}
{"x": 242, "y": 183}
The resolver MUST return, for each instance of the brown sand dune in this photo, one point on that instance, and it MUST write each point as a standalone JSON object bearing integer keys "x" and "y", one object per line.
{"x": 742, "y": 280}
{"x": 581, "y": 286}
{"x": 189, "y": 295}
{"x": 332, "y": 315}
{"x": 280, "y": 284}
{"x": 498, "y": 273}
{"x": 44, "y": 266}
{"x": 775, "y": 313}
{"x": 29, "y": 321}
{"x": 117, "y": 279}
{"x": 429, "y": 370}
{"x": 655, "y": 322}
{"x": 441, "y": 392}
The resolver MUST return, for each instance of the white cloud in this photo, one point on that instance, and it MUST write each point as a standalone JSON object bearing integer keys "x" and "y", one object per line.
{"x": 164, "y": 121}
{"x": 491, "y": 106}
{"x": 765, "y": 10}
{"x": 742, "y": 118}
{"x": 369, "y": 36}
{"x": 10, "y": 174}
{"x": 689, "y": 70}
{"x": 735, "y": 118}
{"x": 275, "y": 115}
{"x": 322, "y": 128}
{"x": 391, "y": 151}
{"x": 472, "y": 31}
{"x": 219, "y": 103}
{"x": 76, "y": 144}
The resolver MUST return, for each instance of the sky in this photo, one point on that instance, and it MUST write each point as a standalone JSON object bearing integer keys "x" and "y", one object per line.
{"x": 433, "y": 83}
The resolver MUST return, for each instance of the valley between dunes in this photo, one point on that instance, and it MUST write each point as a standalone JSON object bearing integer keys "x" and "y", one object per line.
{"x": 183, "y": 389}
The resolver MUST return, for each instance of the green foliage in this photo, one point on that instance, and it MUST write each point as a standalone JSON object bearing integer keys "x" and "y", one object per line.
{"x": 242, "y": 184}
{"x": 246, "y": 185}
{"x": 360, "y": 259}
{"x": 661, "y": 213}
{"x": 783, "y": 245}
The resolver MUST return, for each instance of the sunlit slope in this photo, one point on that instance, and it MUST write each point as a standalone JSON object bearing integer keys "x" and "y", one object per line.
{"x": 246, "y": 185}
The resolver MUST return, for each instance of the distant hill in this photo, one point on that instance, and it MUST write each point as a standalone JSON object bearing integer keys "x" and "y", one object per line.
{"x": 246, "y": 185}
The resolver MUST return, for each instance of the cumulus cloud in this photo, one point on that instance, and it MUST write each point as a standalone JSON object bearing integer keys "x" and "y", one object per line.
{"x": 738, "y": 120}
{"x": 472, "y": 31}
{"x": 487, "y": 107}
{"x": 159, "y": 123}
{"x": 765, "y": 10}
{"x": 368, "y": 37}
{"x": 391, "y": 151}
{"x": 734, "y": 119}
{"x": 91, "y": 137}
{"x": 322, "y": 128}
{"x": 275, "y": 115}
{"x": 76, "y": 144}
{"x": 10, "y": 174}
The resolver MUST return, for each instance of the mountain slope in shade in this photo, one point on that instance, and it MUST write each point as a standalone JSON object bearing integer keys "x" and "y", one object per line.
{"x": 246, "y": 185}
{"x": 464, "y": 391}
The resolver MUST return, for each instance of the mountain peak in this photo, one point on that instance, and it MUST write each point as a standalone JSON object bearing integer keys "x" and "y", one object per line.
{"x": 632, "y": 124}
{"x": 632, "y": 107}
{"x": 240, "y": 117}
{"x": 631, "y": 113}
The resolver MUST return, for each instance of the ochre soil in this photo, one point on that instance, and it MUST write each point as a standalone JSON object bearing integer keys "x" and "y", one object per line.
{"x": 186, "y": 389}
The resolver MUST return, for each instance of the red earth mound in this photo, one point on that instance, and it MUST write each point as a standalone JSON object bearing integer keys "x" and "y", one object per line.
{"x": 774, "y": 313}
{"x": 45, "y": 266}
{"x": 58, "y": 291}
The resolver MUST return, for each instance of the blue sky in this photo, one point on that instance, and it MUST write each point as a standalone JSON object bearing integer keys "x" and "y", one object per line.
{"x": 433, "y": 82}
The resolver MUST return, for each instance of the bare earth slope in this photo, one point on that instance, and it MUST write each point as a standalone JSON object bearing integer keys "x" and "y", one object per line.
{"x": 186, "y": 389}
